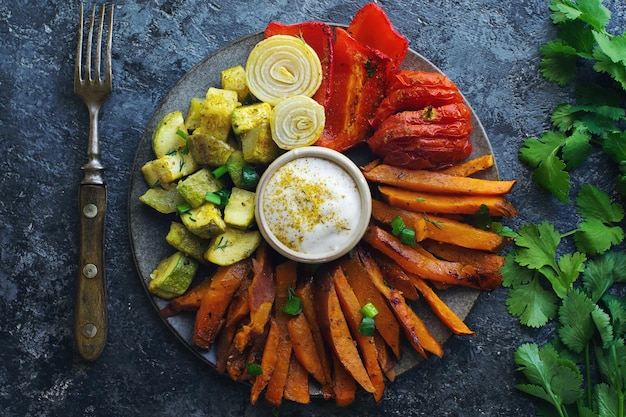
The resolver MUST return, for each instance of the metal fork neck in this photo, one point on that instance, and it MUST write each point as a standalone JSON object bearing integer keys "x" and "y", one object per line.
{"x": 93, "y": 168}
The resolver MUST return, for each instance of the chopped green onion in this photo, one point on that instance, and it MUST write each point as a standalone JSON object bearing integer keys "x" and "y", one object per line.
{"x": 213, "y": 198}
{"x": 183, "y": 207}
{"x": 397, "y": 224}
{"x": 254, "y": 369}
{"x": 249, "y": 177}
{"x": 224, "y": 194}
{"x": 182, "y": 134}
{"x": 367, "y": 327}
{"x": 293, "y": 306}
{"x": 369, "y": 310}
{"x": 407, "y": 236}
{"x": 219, "y": 171}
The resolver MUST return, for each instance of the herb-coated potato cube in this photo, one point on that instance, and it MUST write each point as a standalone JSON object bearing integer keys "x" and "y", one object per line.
{"x": 205, "y": 221}
{"x": 183, "y": 240}
{"x": 244, "y": 118}
{"x": 193, "y": 120}
{"x": 258, "y": 146}
{"x": 232, "y": 246}
{"x": 239, "y": 212}
{"x": 194, "y": 188}
{"x": 218, "y": 105}
{"x": 174, "y": 166}
{"x": 206, "y": 149}
{"x": 234, "y": 78}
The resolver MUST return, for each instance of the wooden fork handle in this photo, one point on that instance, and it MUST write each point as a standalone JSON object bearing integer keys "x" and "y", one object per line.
{"x": 90, "y": 315}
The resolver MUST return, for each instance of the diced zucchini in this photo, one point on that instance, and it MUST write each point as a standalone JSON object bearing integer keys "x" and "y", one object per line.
{"x": 164, "y": 138}
{"x": 193, "y": 120}
{"x": 195, "y": 186}
{"x": 174, "y": 166}
{"x": 183, "y": 240}
{"x": 172, "y": 276}
{"x": 234, "y": 78}
{"x": 205, "y": 221}
{"x": 244, "y": 118}
{"x": 218, "y": 105}
{"x": 206, "y": 149}
{"x": 163, "y": 201}
{"x": 239, "y": 212}
{"x": 232, "y": 246}
{"x": 150, "y": 173}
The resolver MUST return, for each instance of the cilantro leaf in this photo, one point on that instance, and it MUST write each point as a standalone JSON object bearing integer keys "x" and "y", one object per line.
{"x": 558, "y": 62}
{"x": 555, "y": 380}
{"x": 593, "y": 203}
{"x": 614, "y": 145}
{"x": 591, "y": 12}
{"x": 602, "y": 322}
{"x": 602, "y": 272}
{"x": 551, "y": 176}
{"x": 535, "y": 151}
{"x": 607, "y": 400}
{"x": 577, "y": 327}
{"x": 576, "y": 149}
{"x": 594, "y": 237}
{"x": 537, "y": 245}
{"x": 533, "y": 304}
{"x": 513, "y": 274}
{"x": 596, "y": 234}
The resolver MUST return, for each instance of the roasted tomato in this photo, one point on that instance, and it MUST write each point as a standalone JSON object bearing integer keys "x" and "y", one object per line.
{"x": 423, "y": 122}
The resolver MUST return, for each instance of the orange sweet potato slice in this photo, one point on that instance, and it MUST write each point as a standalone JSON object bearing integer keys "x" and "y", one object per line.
{"x": 420, "y": 262}
{"x": 452, "y": 204}
{"x": 336, "y": 331}
{"x": 189, "y": 301}
{"x": 436, "y": 182}
{"x": 471, "y": 166}
{"x": 386, "y": 323}
{"x": 304, "y": 347}
{"x": 367, "y": 346}
{"x": 385, "y": 360}
{"x": 297, "y": 384}
{"x": 268, "y": 362}
{"x": 344, "y": 384}
{"x": 285, "y": 274}
{"x": 395, "y": 276}
{"x": 209, "y": 318}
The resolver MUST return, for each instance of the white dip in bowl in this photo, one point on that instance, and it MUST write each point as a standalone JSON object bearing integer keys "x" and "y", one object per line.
{"x": 313, "y": 205}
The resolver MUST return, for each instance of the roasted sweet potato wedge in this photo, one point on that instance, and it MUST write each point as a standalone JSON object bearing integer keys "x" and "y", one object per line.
{"x": 367, "y": 346}
{"x": 297, "y": 384}
{"x": 336, "y": 331}
{"x": 189, "y": 301}
{"x": 414, "y": 260}
{"x": 470, "y": 167}
{"x": 395, "y": 276}
{"x": 268, "y": 362}
{"x": 386, "y": 323}
{"x": 209, "y": 318}
{"x": 344, "y": 384}
{"x": 436, "y": 182}
{"x": 304, "y": 347}
{"x": 436, "y": 203}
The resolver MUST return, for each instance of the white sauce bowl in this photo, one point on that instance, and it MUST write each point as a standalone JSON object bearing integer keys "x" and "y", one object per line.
{"x": 313, "y": 205}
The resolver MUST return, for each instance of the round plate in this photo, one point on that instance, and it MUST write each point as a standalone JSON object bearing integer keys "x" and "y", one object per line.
{"x": 148, "y": 227}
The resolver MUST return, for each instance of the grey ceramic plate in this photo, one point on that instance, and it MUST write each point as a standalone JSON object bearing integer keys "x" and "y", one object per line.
{"x": 148, "y": 227}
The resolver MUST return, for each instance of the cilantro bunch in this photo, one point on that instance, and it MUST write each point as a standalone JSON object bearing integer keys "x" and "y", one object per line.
{"x": 572, "y": 279}
{"x": 583, "y": 46}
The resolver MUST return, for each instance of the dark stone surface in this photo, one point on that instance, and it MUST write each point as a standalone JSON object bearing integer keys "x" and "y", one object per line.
{"x": 489, "y": 48}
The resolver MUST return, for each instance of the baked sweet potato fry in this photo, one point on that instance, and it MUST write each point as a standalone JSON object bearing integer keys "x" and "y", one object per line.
{"x": 306, "y": 293}
{"x": 209, "y": 318}
{"x": 441, "y": 310}
{"x": 452, "y": 204}
{"x": 268, "y": 362}
{"x": 440, "y": 228}
{"x": 386, "y": 323}
{"x": 304, "y": 347}
{"x": 344, "y": 384}
{"x": 261, "y": 300}
{"x": 395, "y": 276}
{"x": 336, "y": 331}
{"x": 385, "y": 360}
{"x": 436, "y": 182}
{"x": 414, "y": 328}
{"x": 238, "y": 311}
{"x": 189, "y": 301}
{"x": 367, "y": 346}
{"x": 285, "y": 274}
{"x": 418, "y": 261}
{"x": 297, "y": 384}
{"x": 470, "y": 167}
{"x": 487, "y": 264}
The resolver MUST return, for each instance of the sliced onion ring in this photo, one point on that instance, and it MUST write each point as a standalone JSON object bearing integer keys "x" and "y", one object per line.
{"x": 282, "y": 66}
{"x": 297, "y": 121}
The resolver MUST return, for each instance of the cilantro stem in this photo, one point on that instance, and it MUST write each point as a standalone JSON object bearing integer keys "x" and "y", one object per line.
{"x": 588, "y": 377}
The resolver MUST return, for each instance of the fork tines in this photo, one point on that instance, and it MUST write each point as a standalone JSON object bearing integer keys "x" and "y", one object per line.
{"x": 85, "y": 70}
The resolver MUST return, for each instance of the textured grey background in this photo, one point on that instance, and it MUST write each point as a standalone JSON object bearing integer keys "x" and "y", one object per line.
{"x": 489, "y": 48}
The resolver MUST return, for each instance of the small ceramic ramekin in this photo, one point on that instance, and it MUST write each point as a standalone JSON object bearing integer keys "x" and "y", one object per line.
{"x": 313, "y": 205}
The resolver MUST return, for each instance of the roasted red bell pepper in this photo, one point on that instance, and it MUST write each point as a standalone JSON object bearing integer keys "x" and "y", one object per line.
{"x": 371, "y": 27}
{"x": 359, "y": 82}
{"x": 319, "y": 36}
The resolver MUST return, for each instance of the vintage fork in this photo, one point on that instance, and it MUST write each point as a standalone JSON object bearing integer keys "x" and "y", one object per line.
{"x": 90, "y": 315}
